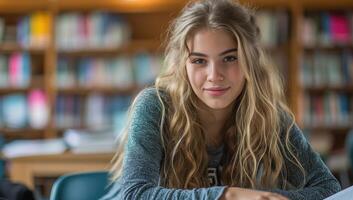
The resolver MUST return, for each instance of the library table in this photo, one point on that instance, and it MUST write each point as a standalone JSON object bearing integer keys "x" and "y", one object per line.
{"x": 26, "y": 169}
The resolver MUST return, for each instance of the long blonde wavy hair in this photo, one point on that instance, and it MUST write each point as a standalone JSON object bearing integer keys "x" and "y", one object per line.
{"x": 256, "y": 136}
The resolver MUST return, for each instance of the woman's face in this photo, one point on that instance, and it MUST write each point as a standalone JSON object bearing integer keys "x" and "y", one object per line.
{"x": 213, "y": 68}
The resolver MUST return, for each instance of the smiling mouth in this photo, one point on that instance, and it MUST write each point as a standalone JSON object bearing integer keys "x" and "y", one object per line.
{"x": 216, "y": 91}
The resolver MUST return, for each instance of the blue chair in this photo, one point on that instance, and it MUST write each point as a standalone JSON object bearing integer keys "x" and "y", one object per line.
{"x": 81, "y": 186}
{"x": 349, "y": 147}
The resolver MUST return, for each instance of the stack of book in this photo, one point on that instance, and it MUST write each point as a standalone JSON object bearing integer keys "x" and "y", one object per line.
{"x": 84, "y": 141}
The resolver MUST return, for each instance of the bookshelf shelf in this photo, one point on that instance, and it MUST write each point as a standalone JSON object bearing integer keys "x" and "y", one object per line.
{"x": 104, "y": 90}
{"x": 314, "y": 5}
{"x": 323, "y": 89}
{"x": 340, "y": 129}
{"x": 15, "y": 90}
{"x": 120, "y": 6}
{"x": 23, "y": 133}
{"x": 23, "y": 6}
{"x": 14, "y": 47}
{"x": 329, "y": 48}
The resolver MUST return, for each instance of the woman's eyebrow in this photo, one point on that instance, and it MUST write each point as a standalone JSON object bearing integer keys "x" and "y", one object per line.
{"x": 228, "y": 51}
{"x": 197, "y": 54}
{"x": 204, "y": 55}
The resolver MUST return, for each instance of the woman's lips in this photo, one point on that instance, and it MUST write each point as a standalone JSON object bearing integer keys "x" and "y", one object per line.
{"x": 216, "y": 91}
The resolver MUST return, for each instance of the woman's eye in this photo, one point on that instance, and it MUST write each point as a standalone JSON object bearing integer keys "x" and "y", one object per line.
{"x": 198, "y": 61}
{"x": 229, "y": 59}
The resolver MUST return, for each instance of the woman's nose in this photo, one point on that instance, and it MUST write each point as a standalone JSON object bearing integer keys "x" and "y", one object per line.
{"x": 215, "y": 73}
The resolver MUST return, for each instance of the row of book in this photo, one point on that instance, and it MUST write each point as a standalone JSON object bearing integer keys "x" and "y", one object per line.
{"x": 15, "y": 70}
{"x": 96, "y": 112}
{"x": 274, "y": 27}
{"x": 31, "y": 30}
{"x": 327, "y": 69}
{"x": 93, "y": 30}
{"x": 21, "y": 111}
{"x": 73, "y": 30}
{"x": 327, "y": 28}
{"x": 121, "y": 71}
{"x": 330, "y": 109}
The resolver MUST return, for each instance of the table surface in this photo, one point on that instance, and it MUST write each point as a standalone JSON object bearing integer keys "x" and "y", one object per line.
{"x": 25, "y": 169}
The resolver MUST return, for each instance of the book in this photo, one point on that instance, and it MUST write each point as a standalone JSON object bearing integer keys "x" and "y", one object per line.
{"x": 23, "y": 31}
{"x": 14, "y": 109}
{"x": 19, "y": 70}
{"x": 3, "y": 71}
{"x": 339, "y": 29}
{"x": 86, "y": 141}
{"x": 345, "y": 194}
{"x": 38, "y": 114}
{"x": 21, "y": 148}
{"x": 95, "y": 116}
{"x": 2, "y": 29}
{"x": 39, "y": 29}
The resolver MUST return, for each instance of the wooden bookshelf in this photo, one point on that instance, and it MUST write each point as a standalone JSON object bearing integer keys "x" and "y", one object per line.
{"x": 148, "y": 37}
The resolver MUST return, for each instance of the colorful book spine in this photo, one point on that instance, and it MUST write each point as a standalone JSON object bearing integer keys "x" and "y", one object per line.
{"x": 19, "y": 70}
{"x": 3, "y": 71}
{"x": 14, "y": 109}
{"x": 38, "y": 109}
{"x": 39, "y": 29}
{"x": 339, "y": 29}
{"x": 14, "y": 69}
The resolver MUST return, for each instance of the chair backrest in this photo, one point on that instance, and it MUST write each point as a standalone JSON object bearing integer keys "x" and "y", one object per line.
{"x": 80, "y": 186}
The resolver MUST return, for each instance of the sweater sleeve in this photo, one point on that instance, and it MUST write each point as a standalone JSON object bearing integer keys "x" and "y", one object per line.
{"x": 143, "y": 156}
{"x": 319, "y": 182}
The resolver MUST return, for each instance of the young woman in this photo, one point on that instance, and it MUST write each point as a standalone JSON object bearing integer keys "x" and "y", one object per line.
{"x": 215, "y": 125}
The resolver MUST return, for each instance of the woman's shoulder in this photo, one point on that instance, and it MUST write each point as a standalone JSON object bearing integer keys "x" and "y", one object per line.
{"x": 150, "y": 99}
{"x": 288, "y": 123}
{"x": 151, "y": 95}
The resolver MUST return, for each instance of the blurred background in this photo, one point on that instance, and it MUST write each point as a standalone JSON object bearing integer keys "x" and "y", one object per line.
{"x": 69, "y": 70}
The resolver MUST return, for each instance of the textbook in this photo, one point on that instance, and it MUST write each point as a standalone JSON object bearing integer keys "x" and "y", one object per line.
{"x": 345, "y": 194}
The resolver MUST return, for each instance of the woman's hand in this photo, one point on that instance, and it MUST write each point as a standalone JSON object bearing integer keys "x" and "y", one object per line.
{"x": 235, "y": 193}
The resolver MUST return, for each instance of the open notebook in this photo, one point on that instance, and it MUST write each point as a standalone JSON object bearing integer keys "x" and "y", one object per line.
{"x": 346, "y": 194}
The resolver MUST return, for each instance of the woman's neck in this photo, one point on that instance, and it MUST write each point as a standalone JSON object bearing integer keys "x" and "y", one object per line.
{"x": 213, "y": 122}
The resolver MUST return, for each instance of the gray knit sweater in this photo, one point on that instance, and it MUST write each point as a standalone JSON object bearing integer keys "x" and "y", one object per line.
{"x": 144, "y": 153}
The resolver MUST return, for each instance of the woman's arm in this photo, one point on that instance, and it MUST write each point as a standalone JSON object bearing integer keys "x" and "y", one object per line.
{"x": 143, "y": 156}
{"x": 319, "y": 182}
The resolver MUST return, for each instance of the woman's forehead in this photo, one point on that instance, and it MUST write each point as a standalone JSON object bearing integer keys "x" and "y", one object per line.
{"x": 211, "y": 40}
